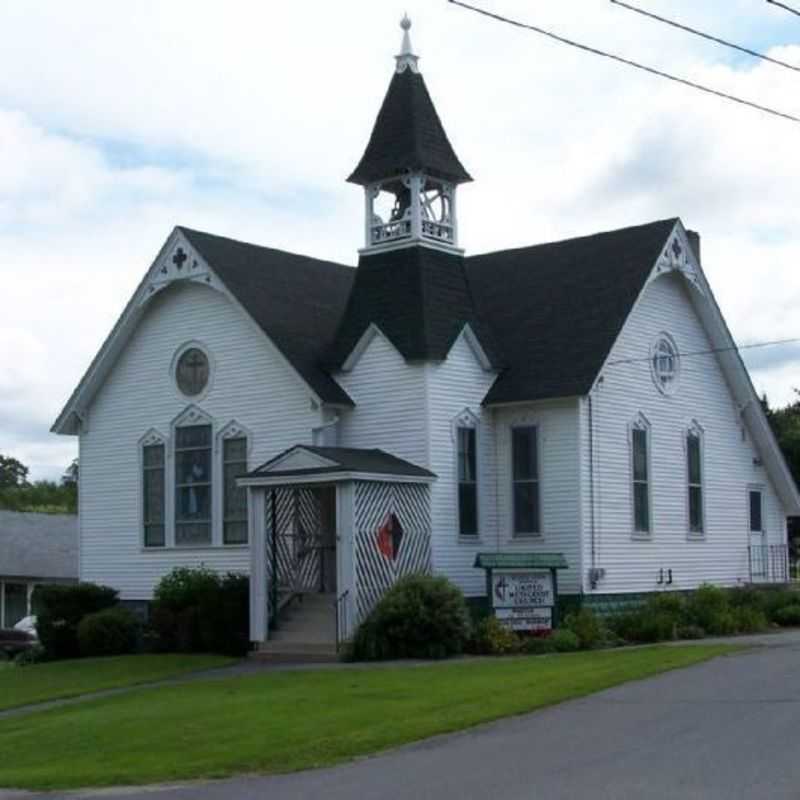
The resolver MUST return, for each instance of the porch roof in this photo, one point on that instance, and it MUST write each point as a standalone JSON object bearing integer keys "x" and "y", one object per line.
{"x": 306, "y": 463}
{"x": 521, "y": 561}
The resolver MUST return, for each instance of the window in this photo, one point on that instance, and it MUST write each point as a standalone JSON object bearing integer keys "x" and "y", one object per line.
{"x": 525, "y": 468}
{"x": 467, "y": 482}
{"x": 665, "y": 364}
{"x": 756, "y": 515}
{"x": 193, "y": 485}
{"x": 191, "y": 372}
{"x": 153, "y": 476}
{"x": 641, "y": 486}
{"x": 695, "y": 477}
{"x": 234, "y": 501}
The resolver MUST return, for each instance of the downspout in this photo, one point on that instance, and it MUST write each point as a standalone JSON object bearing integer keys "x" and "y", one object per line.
{"x": 592, "y": 575}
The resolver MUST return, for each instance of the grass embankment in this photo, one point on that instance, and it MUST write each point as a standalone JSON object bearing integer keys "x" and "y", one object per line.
{"x": 20, "y": 686}
{"x": 283, "y": 721}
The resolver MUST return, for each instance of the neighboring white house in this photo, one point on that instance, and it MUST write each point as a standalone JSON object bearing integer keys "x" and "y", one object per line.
{"x": 582, "y": 398}
{"x": 34, "y": 549}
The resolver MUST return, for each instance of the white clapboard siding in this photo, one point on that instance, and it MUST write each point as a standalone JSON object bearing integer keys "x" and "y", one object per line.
{"x": 250, "y": 383}
{"x": 559, "y": 484}
{"x": 702, "y": 395}
{"x": 456, "y": 385}
{"x": 390, "y": 398}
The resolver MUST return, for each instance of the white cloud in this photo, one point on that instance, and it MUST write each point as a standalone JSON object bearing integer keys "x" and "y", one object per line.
{"x": 118, "y": 122}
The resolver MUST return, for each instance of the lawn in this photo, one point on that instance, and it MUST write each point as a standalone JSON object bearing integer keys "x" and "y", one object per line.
{"x": 283, "y": 721}
{"x": 36, "y": 683}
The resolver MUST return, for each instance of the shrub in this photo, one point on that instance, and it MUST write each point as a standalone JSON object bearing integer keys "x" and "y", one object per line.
{"x": 672, "y": 604}
{"x": 492, "y": 638}
{"x": 538, "y": 645}
{"x": 778, "y": 598}
{"x": 708, "y": 607}
{"x": 588, "y": 627}
{"x": 196, "y": 610}
{"x": 421, "y": 616}
{"x": 748, "y": 597}
{"x": 565, "y": 641}
{"x": 749, "y": 619}
{"x": 690, "y": 632}
{"x": 645, "y": 626}
{"x": 111, "y": 632}
{"x": 33, "y": 655}
{"x": 61, "y": 607}
{"x": 788, "y": 616}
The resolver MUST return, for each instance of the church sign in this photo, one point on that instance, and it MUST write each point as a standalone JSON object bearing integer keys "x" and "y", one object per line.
{"x": 522, "y": 588}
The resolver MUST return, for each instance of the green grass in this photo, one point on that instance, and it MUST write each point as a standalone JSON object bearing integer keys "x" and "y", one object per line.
{"x": 36, "y": 683}
{"x": 283, "y": 721}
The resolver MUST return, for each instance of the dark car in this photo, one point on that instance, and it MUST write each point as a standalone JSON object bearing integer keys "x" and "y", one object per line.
{"x": 13, "y": 642}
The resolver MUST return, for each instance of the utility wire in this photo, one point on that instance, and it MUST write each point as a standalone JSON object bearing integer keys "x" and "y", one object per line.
{"x": 785, "y": 7}
{"x": 710, "y": 351}
{"x": 636, "y": 65}
{"x": 708, "y": 36}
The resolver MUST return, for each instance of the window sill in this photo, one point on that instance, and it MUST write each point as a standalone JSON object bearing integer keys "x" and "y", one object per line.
{"x": 641, "y": 536}
{"x": 695, "y": 537}
{"x": 180, "y": 548}
{"x": 466, "y": 539}
{"x": 527, "y": 537}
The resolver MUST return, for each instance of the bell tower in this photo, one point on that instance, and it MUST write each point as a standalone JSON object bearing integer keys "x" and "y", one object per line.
{"x": 409, "y": 170}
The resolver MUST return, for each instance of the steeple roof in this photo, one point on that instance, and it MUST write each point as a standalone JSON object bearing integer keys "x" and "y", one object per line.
{"x": 408, "y": 134}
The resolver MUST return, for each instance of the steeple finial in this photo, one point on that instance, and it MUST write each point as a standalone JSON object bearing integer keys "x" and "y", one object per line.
{"x": 406, "y": 59}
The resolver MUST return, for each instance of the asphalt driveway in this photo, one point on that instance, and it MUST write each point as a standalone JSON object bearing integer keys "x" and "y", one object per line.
{"x": 729, "y": 728}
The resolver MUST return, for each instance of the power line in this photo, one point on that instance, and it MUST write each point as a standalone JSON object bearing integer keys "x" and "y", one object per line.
{"x": 705, "y": 35}
{"x": 711, "y": 351}
{"x": 785, "y": 7}
{"x": 627, "y": 62}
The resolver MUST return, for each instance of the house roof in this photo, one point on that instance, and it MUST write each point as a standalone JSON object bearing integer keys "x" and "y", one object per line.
{"x": 408, "y": 135}
{"x": 296, "y": 300}
{"x": 333, "y": 460}
{"x": 419, "y": 298}
{"x": 556, "y": 309}
{"x": 38, "y": 545}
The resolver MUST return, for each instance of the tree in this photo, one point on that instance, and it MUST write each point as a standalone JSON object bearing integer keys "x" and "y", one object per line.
{"x": 13, "y": 473}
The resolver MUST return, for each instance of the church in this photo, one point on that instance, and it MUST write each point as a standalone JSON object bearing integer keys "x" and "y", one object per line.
{"x": 328, "y": 429}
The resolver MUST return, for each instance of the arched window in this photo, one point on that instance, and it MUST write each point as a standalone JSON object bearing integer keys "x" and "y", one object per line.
{"x": 665, "y": 363}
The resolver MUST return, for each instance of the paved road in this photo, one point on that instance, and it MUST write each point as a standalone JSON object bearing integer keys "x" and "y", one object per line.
{"x": 728, "y": 729}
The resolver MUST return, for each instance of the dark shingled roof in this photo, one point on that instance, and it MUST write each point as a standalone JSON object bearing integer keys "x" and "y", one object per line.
{"x": 408, "y": 134}
{"x": 557, "y": 308}
{"x": 348, "y": 459}
{"x": 297, "y": 300}
{"x": 419, "y": 298}
{"x": 38, "y": 545}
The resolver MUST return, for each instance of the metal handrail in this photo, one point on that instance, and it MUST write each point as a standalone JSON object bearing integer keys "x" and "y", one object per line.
{"x": 769, "y": 563}
{"x": 340, "y": 610}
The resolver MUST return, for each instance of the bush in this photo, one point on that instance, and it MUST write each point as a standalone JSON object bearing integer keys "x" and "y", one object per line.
{"x": 421, "y": 616}
{"x": 778, "y": 598}
{"x": 492, "y": 638}
{"x": 111, "y": 632}
{"x": 538, "y": 645}
{"x": 61, "y": 607}
{"x": 788, "y": 616}
{"x": 645, "y": 626}
{"x": 748, "y": 597}
{"x": 565, "y": 641}
{"x": 196, "y": 610}
{"x": 708, "y": 607}
{"x": 588, "y": 627}
{"x": 749, "y": 619}
{"x": 33, "y": 655}
{"x": 690, "y": 632}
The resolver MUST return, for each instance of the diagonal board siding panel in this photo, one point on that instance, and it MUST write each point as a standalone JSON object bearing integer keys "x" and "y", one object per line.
{"x": 375, "y": 572}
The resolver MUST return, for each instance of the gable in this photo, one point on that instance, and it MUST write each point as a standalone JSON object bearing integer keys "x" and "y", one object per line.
{"x": 292, "y": 302}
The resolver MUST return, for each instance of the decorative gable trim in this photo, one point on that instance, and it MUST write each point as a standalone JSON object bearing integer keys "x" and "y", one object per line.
{"x": 153, "y": 436}
{"x": 678, "y": 256}
{"x": 235, "y": 430}
{"x": 298, "y": 458}
{"x": 471, "y": 338}
{"x": 192, "y": 415}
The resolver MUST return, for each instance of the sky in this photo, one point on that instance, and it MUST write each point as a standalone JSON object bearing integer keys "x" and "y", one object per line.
{"x": 119, "y": 121}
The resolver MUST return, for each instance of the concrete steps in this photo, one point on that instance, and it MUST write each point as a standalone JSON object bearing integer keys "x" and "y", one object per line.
{"x": 306, "y": 632}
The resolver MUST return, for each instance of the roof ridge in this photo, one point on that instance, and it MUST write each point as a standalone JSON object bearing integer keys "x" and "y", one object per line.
{"x": 623, "y": 229}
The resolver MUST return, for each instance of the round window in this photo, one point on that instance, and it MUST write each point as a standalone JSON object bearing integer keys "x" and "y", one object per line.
{"x": 665, "y": 364}
{"x": 191, "y": 373}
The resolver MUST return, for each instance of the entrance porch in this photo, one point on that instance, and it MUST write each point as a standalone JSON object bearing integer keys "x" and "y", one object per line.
{"x": 331, "y": 529}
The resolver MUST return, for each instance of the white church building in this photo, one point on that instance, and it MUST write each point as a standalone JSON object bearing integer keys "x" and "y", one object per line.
{"x": 326, "y": 429}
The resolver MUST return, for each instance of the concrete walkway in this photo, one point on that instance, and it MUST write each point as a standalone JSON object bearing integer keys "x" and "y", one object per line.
{"x": 724, "y": 729}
